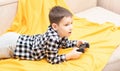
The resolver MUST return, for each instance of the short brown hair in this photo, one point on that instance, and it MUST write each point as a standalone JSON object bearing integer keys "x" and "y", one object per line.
{"x": 57, "y": 13}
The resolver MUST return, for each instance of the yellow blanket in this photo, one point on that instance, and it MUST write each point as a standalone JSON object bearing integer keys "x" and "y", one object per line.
{"x": 32, "y": 18}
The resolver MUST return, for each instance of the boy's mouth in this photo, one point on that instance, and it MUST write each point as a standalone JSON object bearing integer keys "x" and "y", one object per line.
{"x": 70, "y": 32}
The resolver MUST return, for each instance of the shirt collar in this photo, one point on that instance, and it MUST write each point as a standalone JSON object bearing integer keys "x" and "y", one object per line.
{"x": 54, "y": 33}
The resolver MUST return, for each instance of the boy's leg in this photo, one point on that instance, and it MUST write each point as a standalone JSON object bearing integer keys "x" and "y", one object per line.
{"x": 8, "y": 44}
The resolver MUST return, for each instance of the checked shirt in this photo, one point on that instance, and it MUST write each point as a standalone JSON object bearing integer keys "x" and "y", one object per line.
{"x": 39, "y": 46}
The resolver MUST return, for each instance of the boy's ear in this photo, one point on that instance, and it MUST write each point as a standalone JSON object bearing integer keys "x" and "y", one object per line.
{"x": 54, "y": 26}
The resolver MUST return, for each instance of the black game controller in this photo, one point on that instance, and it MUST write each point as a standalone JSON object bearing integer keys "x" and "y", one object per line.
{"x": 82, "y": 46}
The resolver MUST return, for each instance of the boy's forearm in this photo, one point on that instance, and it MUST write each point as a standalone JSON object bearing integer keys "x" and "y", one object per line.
{"x": 73, "y": 54}
{"x": 68, "y": 56}
{"x": 57, "y": 59}
{"x": 71, "y": 43}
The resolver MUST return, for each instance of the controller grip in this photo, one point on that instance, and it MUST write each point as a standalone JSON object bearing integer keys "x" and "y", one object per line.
{"x": 82, "y": 46}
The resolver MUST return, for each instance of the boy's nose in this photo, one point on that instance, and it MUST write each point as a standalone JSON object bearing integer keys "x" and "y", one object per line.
{"x": 71, "y": 27}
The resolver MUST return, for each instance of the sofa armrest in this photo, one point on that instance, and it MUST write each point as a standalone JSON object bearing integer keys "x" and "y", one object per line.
{"x": 7, "y": 13}
{"x": 6, "y": 2}
{"x": 112, "y": 5}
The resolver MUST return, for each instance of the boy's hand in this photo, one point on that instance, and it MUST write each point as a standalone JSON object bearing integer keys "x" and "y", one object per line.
{"x": 73, "y": 54}
{"x": 82, "y": 47}
{"x": 79, "y": 42}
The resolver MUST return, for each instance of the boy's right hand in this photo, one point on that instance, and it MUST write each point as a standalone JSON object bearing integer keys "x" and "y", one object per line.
{"x": 73, "y": 54}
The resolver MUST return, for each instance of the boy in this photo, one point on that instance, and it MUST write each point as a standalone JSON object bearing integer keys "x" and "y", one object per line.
{"x": 44, "y": 45}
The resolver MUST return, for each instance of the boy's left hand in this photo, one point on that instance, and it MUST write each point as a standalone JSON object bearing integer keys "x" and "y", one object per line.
{"x": 79, "y": 42}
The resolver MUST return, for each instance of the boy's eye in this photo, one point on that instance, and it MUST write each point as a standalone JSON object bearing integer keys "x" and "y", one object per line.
{"x": 68, "y": 24}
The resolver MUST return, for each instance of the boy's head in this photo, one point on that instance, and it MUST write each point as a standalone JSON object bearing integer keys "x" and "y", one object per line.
{"x": 57, "y": 13}
{"x": 61, "y": 21}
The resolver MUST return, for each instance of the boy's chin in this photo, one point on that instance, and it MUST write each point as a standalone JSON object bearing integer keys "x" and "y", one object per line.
{"x": 68, "y": 36}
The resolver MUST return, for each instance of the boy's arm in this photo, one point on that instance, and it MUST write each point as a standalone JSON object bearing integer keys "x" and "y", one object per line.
{"x": 69, "y": 43}
{"x": 52, "y": 52}
{"x": 72, "y": 43}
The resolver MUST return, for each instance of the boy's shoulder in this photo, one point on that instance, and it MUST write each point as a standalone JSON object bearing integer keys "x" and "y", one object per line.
{"x": 51, "y": 33}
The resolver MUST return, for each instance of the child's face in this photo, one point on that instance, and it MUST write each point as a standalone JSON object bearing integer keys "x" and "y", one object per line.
{"x": 64, "y": 28}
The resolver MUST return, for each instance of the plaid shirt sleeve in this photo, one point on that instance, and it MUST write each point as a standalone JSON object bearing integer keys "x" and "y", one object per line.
{"x": 68, "y": 43}
{"x": 52, "y": 52}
